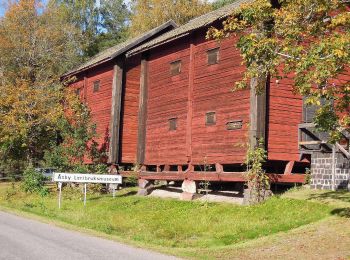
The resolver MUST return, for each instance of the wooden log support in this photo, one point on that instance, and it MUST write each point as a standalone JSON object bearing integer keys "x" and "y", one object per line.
{"x": 142, "y": 114}
{"x": 117, "y": 90}
{"x": 289, "y": 167}
{"x": 190, "y": 104}
{"x": 166, "y": 168}
{"x": 85, "y": 86}
{"x": 257, "y": 112}
{"x": 219, "y": 168}
{"x": 179, "y": 168}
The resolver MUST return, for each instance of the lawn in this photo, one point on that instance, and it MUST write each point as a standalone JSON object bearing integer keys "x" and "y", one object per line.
{"x": 168, "y": 225}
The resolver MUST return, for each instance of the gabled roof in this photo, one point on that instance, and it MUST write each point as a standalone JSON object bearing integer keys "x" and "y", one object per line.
{"x": 121, "y": 48}
{"x": 196, "y": 23}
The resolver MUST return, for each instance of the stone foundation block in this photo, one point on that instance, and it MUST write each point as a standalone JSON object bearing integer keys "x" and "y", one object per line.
{"x": 145, "y": 187}
{"x": 189, "y": 186}
{"x": 187, "y": 196}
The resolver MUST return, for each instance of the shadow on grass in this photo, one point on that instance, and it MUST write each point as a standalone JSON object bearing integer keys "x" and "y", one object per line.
{"x": 341, "y": 212}
{"x": 130, "y": 193}
{"x": 334, "y": 195}
{"x": 343, "y": 196}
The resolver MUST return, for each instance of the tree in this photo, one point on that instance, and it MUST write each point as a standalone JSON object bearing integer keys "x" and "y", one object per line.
{"x": 308, "y": 40}
{"x": 102, "y": 23}
{"x": 148, "y": 14}
{"x": 36, "y": 46}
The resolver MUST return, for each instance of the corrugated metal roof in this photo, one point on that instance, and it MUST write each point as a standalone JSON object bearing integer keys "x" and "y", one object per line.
{"x": 121, "y": 48}
{"x": 192, "y": 25}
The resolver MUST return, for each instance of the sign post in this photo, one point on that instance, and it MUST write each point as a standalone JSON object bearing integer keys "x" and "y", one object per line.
{"x": 59, "y": 194}
{"x": 85, "y": 178}
{"x": 84, "y": 194}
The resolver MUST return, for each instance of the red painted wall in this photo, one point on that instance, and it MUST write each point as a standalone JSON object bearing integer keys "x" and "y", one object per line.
{"x": 285, "y": 113}
{"x": 167, "y": 98}
{"x": 100, "y": 104}
{"x": 212, "y": 84}
{"x": 129, "y": 119}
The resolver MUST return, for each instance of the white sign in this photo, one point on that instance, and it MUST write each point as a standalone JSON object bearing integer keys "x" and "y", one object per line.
{"x": 86, "y": 178}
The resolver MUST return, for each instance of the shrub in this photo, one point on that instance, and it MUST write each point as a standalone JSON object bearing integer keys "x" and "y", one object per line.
{"x": 33, "y": 181}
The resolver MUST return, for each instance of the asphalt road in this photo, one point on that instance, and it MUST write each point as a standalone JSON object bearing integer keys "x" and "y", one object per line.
{"x": 22, "y": 238}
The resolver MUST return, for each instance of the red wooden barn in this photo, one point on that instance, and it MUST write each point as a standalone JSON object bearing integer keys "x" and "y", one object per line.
{"x": 165, "y": 102}
{"x": 109, "y": 84}
{"x": 189, "y": 118}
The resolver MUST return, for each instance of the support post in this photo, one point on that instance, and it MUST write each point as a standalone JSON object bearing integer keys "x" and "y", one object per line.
{"x": 117, "y": 90}
{"x": 190, "y": 104}
{"x": 142, "y": 115}
{"x": 289, "y": 167}
{"x": 85, "y": 194}
{"x": 85, "y": 87}
{"x": 257, "y": 112}
{"x": 59, "y": 194}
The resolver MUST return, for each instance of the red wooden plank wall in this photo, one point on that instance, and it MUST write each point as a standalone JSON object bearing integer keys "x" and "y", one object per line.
{"x": 167, "y": 98}
{"x": 100, "y": 102}
{"x": 130, "y": 110}
{"x": 213, "y": 86}
{"x": 285, "y": 113}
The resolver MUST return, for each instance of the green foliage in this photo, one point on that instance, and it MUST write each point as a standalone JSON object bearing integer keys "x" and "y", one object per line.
{"x": 306, "y": 40}
{"x": 307, "y": 176}
{"x": 257, "y": 181}
{"x": 34, "y": 181}
{"x": 101, "y": 25}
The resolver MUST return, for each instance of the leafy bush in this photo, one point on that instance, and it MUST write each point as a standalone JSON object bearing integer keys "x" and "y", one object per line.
{"x": 33, "y": 181}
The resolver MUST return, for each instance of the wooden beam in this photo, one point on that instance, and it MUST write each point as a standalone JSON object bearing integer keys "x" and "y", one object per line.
{"x": 342, "y": 149}
{"x": 311, "y": 142}
{"x": 222, "y": 177}
{"x": 85, "y": 87}
{"x": 289, "y": 167}
{"x": 257, "y": 112}
{"x": 142, "y": 114}
{"x": 117, "y": 91}
{"x": 190, "y": 103}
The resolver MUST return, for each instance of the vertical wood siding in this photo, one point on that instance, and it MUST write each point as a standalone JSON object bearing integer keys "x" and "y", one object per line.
{"x": 213, "y": 92}
{"x": 100, "y": 102}
{"x": 285, "y": 113}
{"x": 167, "y": 98}
{"x": 212, "y": 84}
{"x": 130, "y": 110}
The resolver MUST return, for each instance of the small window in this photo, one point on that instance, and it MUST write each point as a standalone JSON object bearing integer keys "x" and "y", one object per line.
{"x": 172, "y": 124}
{"x": 175, "y": 67}
{"x": 77, "y": 91}
{"x": 213, "y": 56}
{"x": 96, "y": 86}
{"x": 210, "y": 118}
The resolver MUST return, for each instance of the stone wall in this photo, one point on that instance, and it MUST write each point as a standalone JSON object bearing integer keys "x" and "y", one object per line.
{"x": 321, "y": 171}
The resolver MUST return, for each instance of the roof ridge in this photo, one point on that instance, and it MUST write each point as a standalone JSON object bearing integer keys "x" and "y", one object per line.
{"x": 191, "y": 25}
{"x": 119, "y": 48}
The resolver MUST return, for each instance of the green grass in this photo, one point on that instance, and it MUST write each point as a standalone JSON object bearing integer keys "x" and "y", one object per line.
{"x": 167, "y": 223}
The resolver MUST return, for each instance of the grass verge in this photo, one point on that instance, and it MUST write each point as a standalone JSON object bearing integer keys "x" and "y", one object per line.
{"x": 189, "y": 229}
